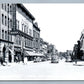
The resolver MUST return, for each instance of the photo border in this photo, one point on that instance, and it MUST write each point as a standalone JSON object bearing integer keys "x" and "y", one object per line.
{"x": 41, "y": 81}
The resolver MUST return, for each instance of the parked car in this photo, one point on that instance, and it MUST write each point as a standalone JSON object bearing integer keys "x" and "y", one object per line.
{"x": 37, "y": 59}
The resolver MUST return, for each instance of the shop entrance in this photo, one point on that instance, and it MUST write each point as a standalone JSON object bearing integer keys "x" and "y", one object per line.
{"x": 10, "y": 57}
{"x": 4, "y": 53}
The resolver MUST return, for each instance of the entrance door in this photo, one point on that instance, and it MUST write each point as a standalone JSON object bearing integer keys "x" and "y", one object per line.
{"x": 10, "y": 57}
{"x": 4, "y": 54}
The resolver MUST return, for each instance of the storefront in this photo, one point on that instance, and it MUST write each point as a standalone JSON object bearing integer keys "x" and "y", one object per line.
{"x": 17, "y": 56}
{"x": 6, "y": 52}
{"x": 31, "y": 56}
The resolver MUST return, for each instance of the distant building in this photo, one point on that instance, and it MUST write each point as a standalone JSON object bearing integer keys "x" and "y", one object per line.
{"x": 82, "y": 45}
{"x": 41, "y": 44}
{"x": 36, "y": 37}
{"x": 45, "y": 48}
{"x": 50, "y": 50}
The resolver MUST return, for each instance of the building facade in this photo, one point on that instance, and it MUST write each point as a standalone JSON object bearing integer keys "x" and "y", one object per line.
{"x": 6, "y": 42}
{"x": 22, "y": 31}
{"x": 16, "y": 31}
{"x": 19, "y": 35}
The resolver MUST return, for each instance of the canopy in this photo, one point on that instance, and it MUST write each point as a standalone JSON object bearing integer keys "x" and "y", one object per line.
{"x": 29, "y": 53}
{"x": 11, "y": 51}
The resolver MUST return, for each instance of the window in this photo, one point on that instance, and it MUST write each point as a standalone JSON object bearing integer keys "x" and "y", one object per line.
{"x": 26, "y": 44}
{"x": 8, "y": 23}
{"x": 5, "y": 21}
{"x": 2, "y": 19}
{"x": 22, "y": 27}
{"x": 33, "y": 33}
{"x": 8, "y": 8}
{"x": 19, "y": 40}
{"x": 2, "y": 34}
{"x": 17, "y": 22}
{"x": 25, "y": 29}
{"x": 16, "y": 39}
{"x": 10, "y": 37}
{"x": 5, "y": 7}
{"x": 5, "y": 35}
{"x": 30, "y": 32}
{"x": 2, "y": 6}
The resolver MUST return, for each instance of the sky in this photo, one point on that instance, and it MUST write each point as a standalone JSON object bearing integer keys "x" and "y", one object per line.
{"x": 60, "y": 24}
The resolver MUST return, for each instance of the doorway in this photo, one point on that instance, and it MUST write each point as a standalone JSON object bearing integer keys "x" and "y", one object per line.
{"x": 4, "y": 52}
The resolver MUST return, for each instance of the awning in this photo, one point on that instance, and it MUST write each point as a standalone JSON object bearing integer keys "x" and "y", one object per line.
{"x": 28, "y": 53}
{"x": 11, "y": 51}
{"x": 17, "y": 49}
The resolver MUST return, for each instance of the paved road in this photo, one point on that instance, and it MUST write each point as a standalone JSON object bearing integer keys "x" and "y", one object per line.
{"x": 42, "y": 71}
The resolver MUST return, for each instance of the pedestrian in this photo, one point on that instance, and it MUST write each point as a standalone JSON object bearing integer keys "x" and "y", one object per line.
{"x": 75, "y": 61}
{"x": 1, "y": 60}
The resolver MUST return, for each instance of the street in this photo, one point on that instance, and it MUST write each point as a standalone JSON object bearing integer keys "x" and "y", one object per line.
{"x": 43, "y": 71}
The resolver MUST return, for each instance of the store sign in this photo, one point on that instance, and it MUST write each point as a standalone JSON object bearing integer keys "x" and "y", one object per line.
{"x": 13, "y": 32}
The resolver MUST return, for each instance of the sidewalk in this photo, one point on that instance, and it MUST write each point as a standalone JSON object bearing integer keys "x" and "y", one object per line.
{"x": 79, "y": 63}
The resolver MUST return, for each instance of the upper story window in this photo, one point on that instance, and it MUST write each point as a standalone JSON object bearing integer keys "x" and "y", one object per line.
{"x": 25, "y": 29}
{"x": 8, "y": 8}
{"x": 2, "y": 6}
{"x": 10, "y": 37}
{"x": 30, "y": 32}
{"x": 6, "y": 35}
{"x": 2, "y": 34}
{"x": 3, "y": 19}
{"x": 5, "y": 7}
{"x": 11, "y": 9}
{"x": 10, "y": 23}
{"x": 17, "y": 22}
{"x": 22, "y": 27}
{"x": 18, "y": 40}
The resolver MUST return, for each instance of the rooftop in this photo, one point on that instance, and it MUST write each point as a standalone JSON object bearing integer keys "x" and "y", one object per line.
{"x": 26, "y": 11}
